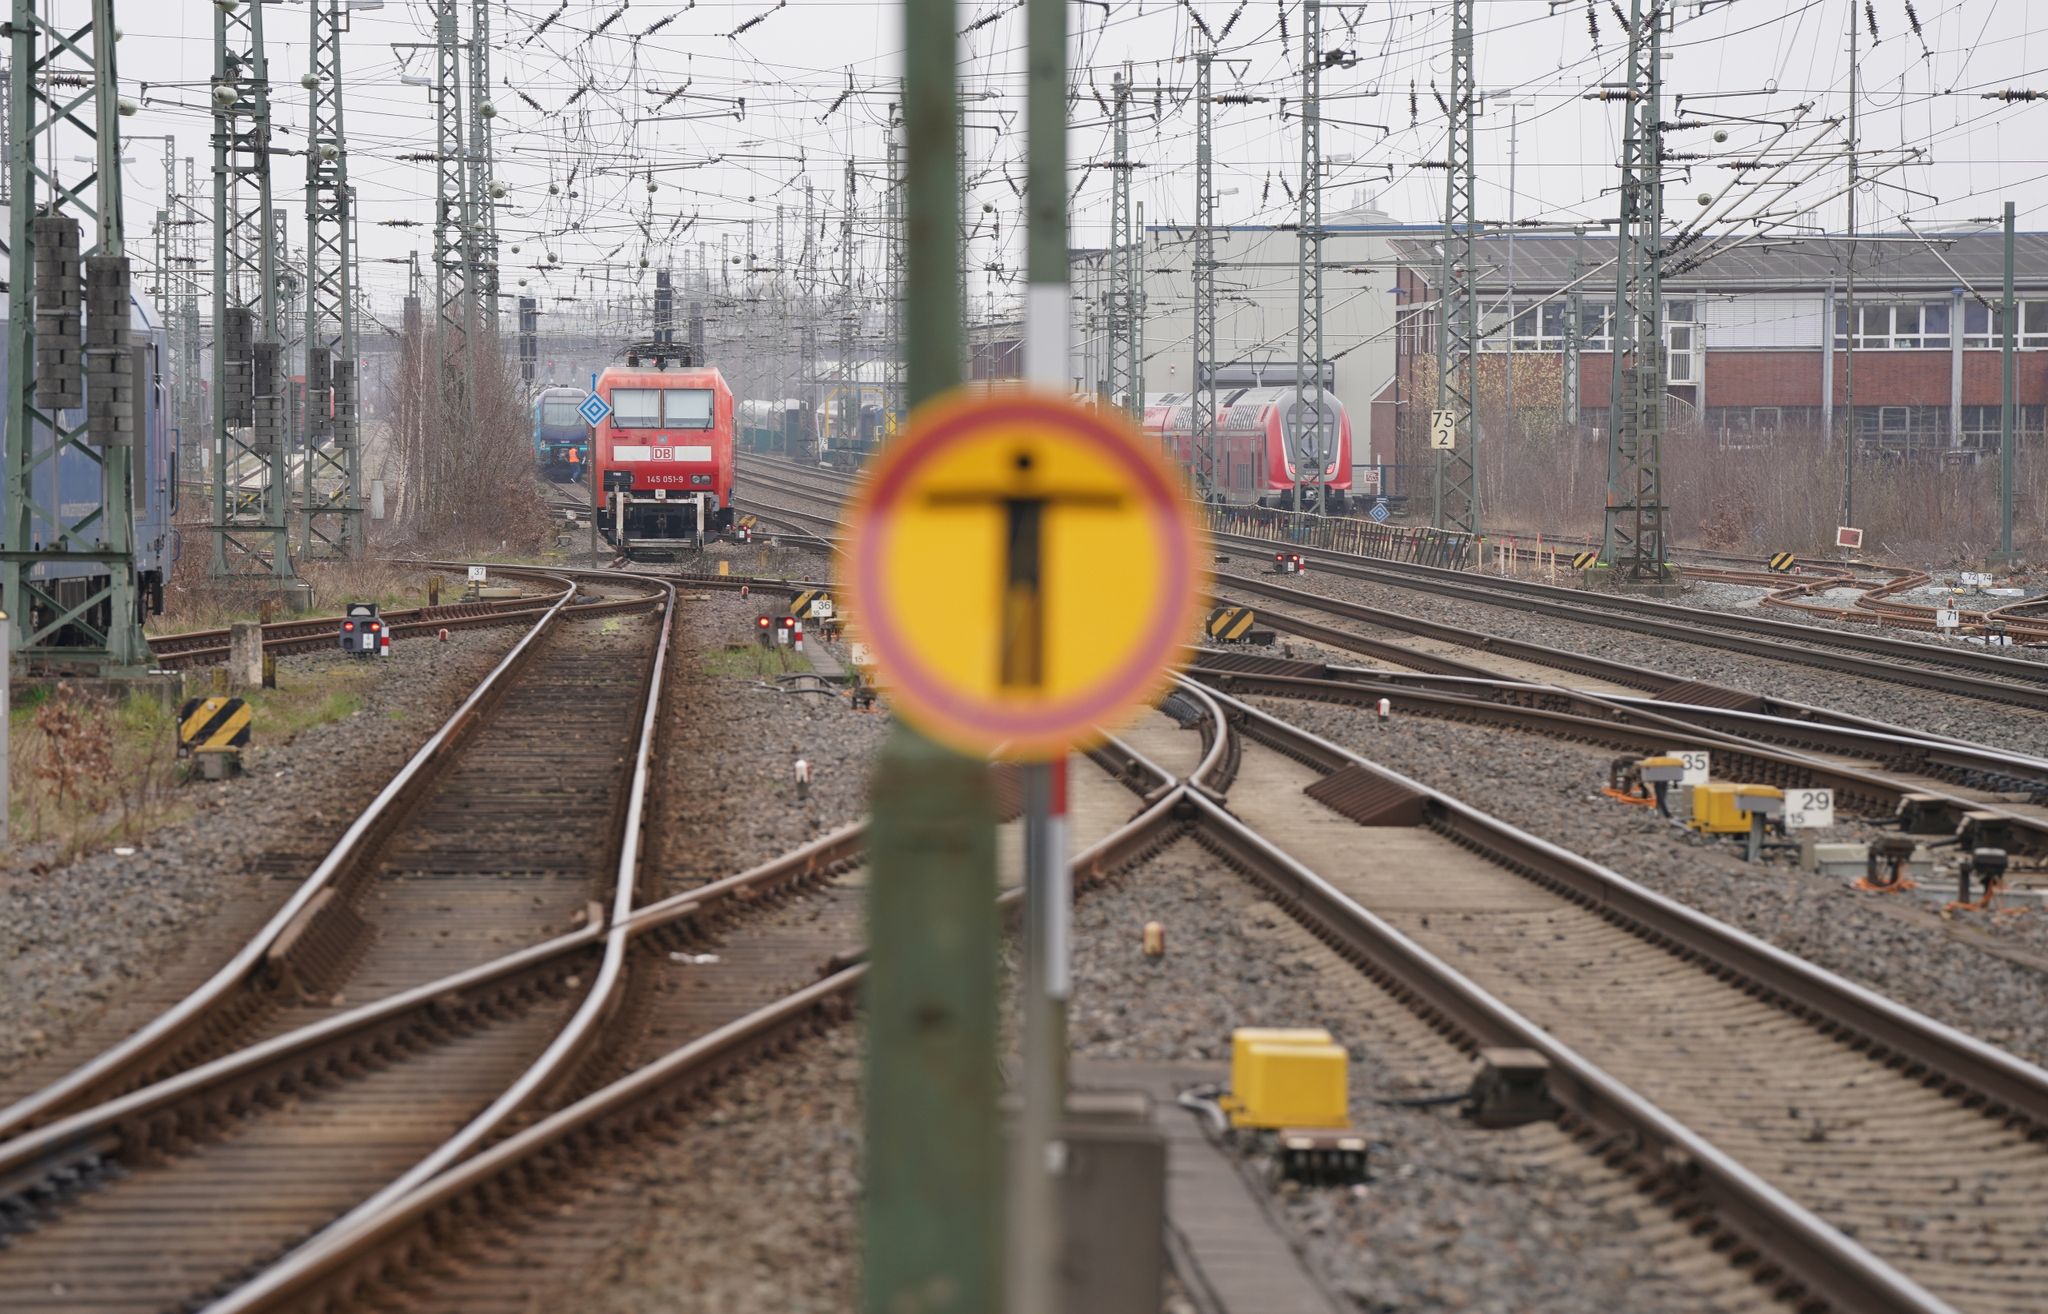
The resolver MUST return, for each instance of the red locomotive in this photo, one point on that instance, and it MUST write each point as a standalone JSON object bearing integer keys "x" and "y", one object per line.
{"x": 1255, "y": 443}
{"x": 664, "y": 456}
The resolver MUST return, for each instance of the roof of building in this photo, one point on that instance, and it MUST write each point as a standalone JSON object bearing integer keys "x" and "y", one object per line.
{"x": 1924, "y": 262}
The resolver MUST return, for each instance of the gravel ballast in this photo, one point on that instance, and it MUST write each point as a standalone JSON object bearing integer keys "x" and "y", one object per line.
{"x": 1504, "y": 1222}
{"x": 1964, "y": 718}
{"x": 85, "y": 937}
{"x": 1981, "y": 975}
{"x": 726, "y": 796}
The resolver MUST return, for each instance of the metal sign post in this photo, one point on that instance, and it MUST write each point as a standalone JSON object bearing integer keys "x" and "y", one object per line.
{"x": 1034, "y": 1218}
{"x": 931, "y": 1234}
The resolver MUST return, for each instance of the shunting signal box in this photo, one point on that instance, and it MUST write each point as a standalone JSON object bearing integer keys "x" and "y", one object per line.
{"x": 363, "y": 631}
{"x": 1721, "y": 808}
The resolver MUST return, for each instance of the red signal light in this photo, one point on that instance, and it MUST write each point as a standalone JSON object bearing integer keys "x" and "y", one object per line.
{"x": 375, "y": 626}
{"x": 762, "y": 622}
{"x": 348, "y": 627}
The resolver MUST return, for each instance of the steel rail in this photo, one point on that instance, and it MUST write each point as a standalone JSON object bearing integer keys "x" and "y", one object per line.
{"x": 1589, "y": 719}
{"x": 130, "y": 1060}
{"x": 1665, "y": 1150}
{"x": 2003, "y": 1081}
{"x": 1783, "y": 640}
{"x": 381, "y": 1240}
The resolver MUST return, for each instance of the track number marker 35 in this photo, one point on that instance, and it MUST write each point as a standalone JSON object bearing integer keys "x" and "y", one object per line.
{"x": 1805, "y": 808}
{"x": 1696, "y": 761}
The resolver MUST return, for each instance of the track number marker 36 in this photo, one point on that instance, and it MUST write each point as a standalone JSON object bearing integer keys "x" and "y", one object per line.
{"x": 1805, "y": 808}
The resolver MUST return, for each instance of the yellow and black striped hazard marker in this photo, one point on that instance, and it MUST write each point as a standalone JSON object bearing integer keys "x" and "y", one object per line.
{"x": 748, "y": 521}
{"x": 800, "y": 606}
{"x": 1586, "y": 560}
{"x": 1231, "y": 624}
{"x": 211, "y": 724}
{"x": 1783, "y": 561}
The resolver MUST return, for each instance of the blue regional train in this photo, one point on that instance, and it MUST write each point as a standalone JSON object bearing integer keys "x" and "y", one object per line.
{"x": 561, "y": 436}
{"x": 72, "y": 482}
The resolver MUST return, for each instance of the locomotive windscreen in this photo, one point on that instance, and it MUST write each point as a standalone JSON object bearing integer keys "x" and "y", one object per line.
{"x": 559, "y": 412}
{"x": 688, "y": 408}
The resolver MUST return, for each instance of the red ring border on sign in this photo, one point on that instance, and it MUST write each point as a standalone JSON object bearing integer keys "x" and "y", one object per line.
{"x": 1054, "y": 728}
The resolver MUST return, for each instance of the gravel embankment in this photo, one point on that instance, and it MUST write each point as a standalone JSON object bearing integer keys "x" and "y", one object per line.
{"x": 726, "y": 796}
{"x": 753, "y": 1205}
{"x": 1501, "y": 1222}
{"x": 1986, "y": 976}
{"x": 1965, "y": 718}
{"x": 83, "y": 938}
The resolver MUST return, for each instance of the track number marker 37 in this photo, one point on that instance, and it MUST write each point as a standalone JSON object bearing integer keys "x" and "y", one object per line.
{"x": 1806, "y": 808}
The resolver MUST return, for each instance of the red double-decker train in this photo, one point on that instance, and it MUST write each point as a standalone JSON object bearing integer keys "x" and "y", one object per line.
{"x": 1257, "y": 432}
{"x": 664, "y": 457}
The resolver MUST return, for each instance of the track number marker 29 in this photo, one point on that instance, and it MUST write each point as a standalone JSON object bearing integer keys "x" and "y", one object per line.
{"x": 1806, "y": 808}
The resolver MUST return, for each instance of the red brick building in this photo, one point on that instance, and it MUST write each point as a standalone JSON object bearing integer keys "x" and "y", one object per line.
{"x": 1745, "y": 339}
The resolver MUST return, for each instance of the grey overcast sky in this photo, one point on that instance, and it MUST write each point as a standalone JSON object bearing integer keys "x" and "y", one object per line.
{"x": 1777, "y": 69}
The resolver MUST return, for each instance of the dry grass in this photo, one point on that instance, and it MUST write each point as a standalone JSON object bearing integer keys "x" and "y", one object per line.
{"x": 89, "y": 771}
{"x": 196, "y": 602}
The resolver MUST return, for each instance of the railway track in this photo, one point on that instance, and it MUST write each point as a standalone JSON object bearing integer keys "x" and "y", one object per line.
{"x": 317, "y": 634}
{"x": 400, "y": 1248}
{"x": 1957, "y": 671}
{"x": 341, "y": 1051}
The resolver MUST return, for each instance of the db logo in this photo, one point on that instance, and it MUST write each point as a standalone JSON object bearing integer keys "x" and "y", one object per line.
{"x": 664, "y": 453}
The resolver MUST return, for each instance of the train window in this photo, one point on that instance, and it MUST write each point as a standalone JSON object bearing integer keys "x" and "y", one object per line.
{"x": 636, "y": 408}
{"x": 688, "y": 408}
{"x": 559, "y": 412}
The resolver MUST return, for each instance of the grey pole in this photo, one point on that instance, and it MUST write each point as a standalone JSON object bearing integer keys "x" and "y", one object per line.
{"x": 2009, "y": 318}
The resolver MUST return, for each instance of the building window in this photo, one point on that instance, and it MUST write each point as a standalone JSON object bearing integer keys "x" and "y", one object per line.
{"x": 1766, "y": 420}
{"x": 1981, "y": 329}
{"x": 1981, "y": 426}
{"x": 1896, "y": 325}
{"x": 1544, "y": 325}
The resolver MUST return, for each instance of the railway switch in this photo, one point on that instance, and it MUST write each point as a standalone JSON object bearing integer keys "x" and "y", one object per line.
{"x": 1988, "y": 866}
{"x": 1985, "y": 830}
{"x": 1925, "y": 814}
{"x": 1890, "y": 864}
{"x": 1510, "y": 1087}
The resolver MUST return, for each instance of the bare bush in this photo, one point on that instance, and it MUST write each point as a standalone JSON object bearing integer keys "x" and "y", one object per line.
{"x": 1782, "y": 493}
{"x": 463, "y": 446}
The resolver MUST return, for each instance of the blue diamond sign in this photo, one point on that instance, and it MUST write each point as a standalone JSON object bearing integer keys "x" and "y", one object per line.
{"x": 1378, "y": 513}
{"x": 595, "y": 410}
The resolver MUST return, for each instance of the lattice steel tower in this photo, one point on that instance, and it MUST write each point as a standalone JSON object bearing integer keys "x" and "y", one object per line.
{"x": 250, "y": 536}
{"x": 331, "y": 494}
{"x": 455, "y": 318}
{"x": 1202, "y": 399}
{"x": 482, "y": 167}
{"x": 1311, "y": 431}
{"x": 69, "y": 566}
{"x": 1455, "y": 487}
{"x": 1123, "y": 291}
{"x": 1634, "y": 541}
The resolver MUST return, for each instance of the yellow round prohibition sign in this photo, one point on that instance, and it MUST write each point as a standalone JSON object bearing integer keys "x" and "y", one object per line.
{"x": 1025, "y": 571}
